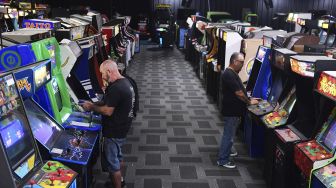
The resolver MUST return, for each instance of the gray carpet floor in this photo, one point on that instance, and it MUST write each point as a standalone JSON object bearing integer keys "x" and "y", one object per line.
{"x": 174, "y": 140}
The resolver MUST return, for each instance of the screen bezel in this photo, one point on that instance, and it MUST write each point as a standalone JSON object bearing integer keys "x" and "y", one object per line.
{"x": 331, "y": 121}
{"x": 50, "y": 118}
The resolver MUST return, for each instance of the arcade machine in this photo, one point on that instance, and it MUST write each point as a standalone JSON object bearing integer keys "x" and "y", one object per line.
{"x": 218, "y": 16}
{"x": 94, "y": 19}
{"x": 276, "y": 111}
{"x": 327, "y": 37}
{"x": 70, "y": 51}
{"x": 249, "y": 48}
{"x": 258, "y": 86}
{"x": 20, "y": 160}
{"x": 163, "y": 21}
{"x": 110, "y": 30}
{"x": 303, "y": 69}
{"x": 325, "y": 176}
{"x": 72, "y": 147}
{"x": 54, "y": 96}
{"x": 24, "y": 36}
{"x": 181, "y": 25}
{"x": 85, "y": 73}
{"x": 292, "y": 19}
{"x": 72, "y": 28}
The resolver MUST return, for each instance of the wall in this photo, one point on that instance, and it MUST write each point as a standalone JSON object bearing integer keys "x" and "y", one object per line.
{"x": 286, "y": 6}
{"x": 232, "y": 6}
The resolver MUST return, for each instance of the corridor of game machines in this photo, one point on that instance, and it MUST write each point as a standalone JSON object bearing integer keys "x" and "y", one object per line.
{"x": 167, "y": 94}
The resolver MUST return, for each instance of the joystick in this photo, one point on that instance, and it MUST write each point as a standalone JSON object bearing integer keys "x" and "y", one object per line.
{"x": 59, "y": 171}
{"x": 68, "y": 150}
{"x": 49, "y": 165}
{"x": 52, "y": 179}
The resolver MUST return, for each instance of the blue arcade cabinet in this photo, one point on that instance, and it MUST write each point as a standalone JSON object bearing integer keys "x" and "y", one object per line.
{"x": 75, "y": 148}
{"x": 259, "y": 86}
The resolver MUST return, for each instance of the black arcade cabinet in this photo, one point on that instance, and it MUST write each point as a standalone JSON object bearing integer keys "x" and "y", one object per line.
{"x": 20, "y": 161}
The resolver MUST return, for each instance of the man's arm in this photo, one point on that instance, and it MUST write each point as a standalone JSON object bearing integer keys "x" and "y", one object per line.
{"x": 104, "y": 110}
{"x": 241, "y": 95}
{"x": 99, "y": 103}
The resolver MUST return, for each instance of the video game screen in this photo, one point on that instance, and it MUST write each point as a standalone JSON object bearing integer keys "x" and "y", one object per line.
{"x": 328, "y": 138}
{"x": 41, "y": 75}
{"x": 57, "y": 94}
{"x": 276, "y": 90}
{"x": 261, "y": 54}
{"x": 279, "y": 60}
{"x": 289, "y": 102}
{"x": 45, "y": 130}
{"x": 14, "y": 127}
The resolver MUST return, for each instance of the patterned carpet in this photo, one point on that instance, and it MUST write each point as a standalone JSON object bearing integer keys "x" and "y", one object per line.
{"x": 174, "y": 140}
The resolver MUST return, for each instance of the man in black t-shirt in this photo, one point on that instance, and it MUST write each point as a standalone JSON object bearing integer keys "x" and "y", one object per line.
{"x": 234, "y": 106}
{"x": 116, "y": 109}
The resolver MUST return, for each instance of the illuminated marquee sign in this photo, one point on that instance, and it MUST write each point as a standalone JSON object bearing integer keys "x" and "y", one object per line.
{"x": 327, "y": 84}
{"x": 41, "y": 24}
{"x": 302, "y": 68}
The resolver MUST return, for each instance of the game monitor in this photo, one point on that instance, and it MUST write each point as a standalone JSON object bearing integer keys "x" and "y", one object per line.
{"x": 264, "y": 78}
{"x": 17, "y": 147}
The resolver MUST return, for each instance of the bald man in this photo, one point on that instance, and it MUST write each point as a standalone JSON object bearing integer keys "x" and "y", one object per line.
{"x": 116, "y": 109}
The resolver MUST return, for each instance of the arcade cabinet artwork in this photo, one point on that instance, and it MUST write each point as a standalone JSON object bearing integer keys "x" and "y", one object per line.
{"x": 20, "y": 160}
{"x": 73, "y": 148}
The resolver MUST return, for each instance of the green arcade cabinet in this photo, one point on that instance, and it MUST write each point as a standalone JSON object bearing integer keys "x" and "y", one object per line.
{"x": 54, "y": 97}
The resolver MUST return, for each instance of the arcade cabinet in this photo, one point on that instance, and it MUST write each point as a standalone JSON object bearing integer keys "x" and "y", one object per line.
{"x": 304, "y": 127}
{"x": 292, "y": 19}
{"x": 70, "y": 51}
{"x": 53, "y": 96}
{"x": 163, "y": 20}
{"x": 327, "y": 37}
{"x": 20, "y": 161}
{"x": 181, "y": 25}
{"x": 219, "y": 16}
{"x": 249, "y": 48}
{"x": 72, "y": 147}
{"x": 325, "y": 176}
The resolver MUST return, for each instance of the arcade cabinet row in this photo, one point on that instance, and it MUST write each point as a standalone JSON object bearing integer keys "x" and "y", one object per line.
{"x": 289, "y": 112}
